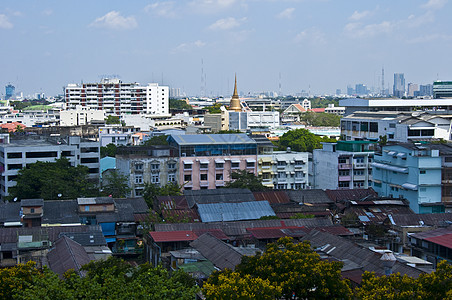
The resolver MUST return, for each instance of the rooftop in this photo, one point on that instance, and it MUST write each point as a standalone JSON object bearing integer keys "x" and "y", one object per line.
{"x": 212, "y": 139}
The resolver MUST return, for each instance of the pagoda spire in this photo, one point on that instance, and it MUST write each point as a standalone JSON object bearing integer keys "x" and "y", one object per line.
{"x": 234, "y": 105}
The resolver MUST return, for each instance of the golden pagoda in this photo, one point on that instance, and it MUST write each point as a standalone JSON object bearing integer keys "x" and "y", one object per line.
{"x": 234, "y": 105}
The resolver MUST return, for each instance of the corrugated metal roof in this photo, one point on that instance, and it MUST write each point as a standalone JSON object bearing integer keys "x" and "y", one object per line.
{"x": 172, "y": 202}
{"x": 32, "y": 202}
{"x": 272, "y": 196}
{"x": 351, "y": 194}
{"x": 208, "y": 139}
{"x": 173, "y": 236}
{"x": 442, "y": 236}
{"x": 314, "y": 196}
{"x": 217, "y": 196}
{"x": 217, "y": 212}
{"x": 437, "y": 219}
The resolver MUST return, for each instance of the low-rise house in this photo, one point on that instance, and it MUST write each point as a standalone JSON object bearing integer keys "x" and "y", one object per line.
{"x": 433, "y": 246}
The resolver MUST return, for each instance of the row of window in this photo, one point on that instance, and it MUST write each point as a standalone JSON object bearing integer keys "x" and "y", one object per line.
{"x": 154, "y": 166}
{"x": 203, "y": 177}
{"x": 155, "y": 178}
{"x": 205, "y": 166}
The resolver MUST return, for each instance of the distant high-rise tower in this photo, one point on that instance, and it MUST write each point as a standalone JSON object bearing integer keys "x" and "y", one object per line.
{"x": 399, "y": 85}
{"x": 383, "y": 92}
{"x": 234, "y": 105}
{"x": 10, "y": 91}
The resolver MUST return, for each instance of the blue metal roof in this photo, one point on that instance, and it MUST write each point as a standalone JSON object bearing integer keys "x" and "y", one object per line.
{"x": 217, "y": 212}
{"x": 212, "y": 139}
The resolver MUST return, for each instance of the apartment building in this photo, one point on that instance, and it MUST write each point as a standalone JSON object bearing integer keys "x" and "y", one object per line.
{"x": 396, "y": 126}
{"x": 343, "y": 165}
{"x": 284, "y": 170}
{"x": 206, "y": 161}
{"x": 117, "y": 97}
{"x": 158, "y": 165}
{"x": 17, "y": 154}
{"x": 81, "y": 115}
{"x": 420, "y": 173}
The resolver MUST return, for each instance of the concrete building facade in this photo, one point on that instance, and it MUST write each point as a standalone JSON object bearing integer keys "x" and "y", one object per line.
{"x": 117, "y": 97}
{"x": 343, "y": 165}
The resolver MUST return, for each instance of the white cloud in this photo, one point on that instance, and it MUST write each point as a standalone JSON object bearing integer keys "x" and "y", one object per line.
{"x": 358, "y": 30}
{"x": 162, "y": 9}
{"x": 311, "y": 36}
{"x": 434, "y": 4}
{"x": 356, "y": 16}
{"x": 188, "y": 46}
{"x": 114, "y": 20}
{"x": 226, "y": 24}
{"x": 211, "y": 6}
{"x": 4, "y": 22}
{"x": 286, "y": 14}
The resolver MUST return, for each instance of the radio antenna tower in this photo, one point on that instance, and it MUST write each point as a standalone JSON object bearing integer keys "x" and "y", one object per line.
{"x": 382, "y": 81}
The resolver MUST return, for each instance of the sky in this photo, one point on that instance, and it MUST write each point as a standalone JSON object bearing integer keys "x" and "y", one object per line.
{"x": 198, "y": 45}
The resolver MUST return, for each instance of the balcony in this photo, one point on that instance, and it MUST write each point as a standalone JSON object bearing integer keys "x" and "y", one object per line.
{"x": 359, "y": 165}
{"x": 345, "y": 178}
{"x": 344, "y": 166}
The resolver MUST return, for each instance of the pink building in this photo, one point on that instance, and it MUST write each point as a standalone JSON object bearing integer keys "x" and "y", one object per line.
{"x": 208, "y": 160}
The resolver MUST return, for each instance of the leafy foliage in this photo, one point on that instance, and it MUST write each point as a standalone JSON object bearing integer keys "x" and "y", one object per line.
{"x": 321, "y": 102}
{"x": 47, "y": 180}
{"x": 109, "y": 279}
{"x": 115, "y": 184}
{"x": 214, "y": 109}
{"x": 179, "y": 104}
{"x": 109, "y": 150}
{"x": 242, "y": 179}
{"x": 320, "y": 119}
{"x": 301, "y": 140}
{"x": 293, "y": 270}
{"x": 157, "y": 140}
{"x": 151, "y": 191}
{"x": 302, "y": 216}
{"x": 436, "y": 285}
{"x": 112, "y": 120}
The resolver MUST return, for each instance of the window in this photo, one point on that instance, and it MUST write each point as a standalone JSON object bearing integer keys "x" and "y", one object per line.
{"x": 138, "y": 192}
{"x": 391, "y": 135}
{"x": 138, "y": 179}
{"x": 297, "y": 186}
{"x": 32, "y": 210}
{"x": 155, "y": 166}
{"x": 422, "y": 171}
{"x": 171, "y": 177}
{"x": 203, "y": 166}
{"x": 187, "y": 177}
{"x": 86, "y": 207}
{"x": 155, "y": 178}
{"x": 138, "y": 166}
{"x": 171, "y": 166}
{"x": 203, "y": 177}
{"x": 341, "y": 173}
{"x": 219, "y": 165}
{"x": 250, "y": 164}
{"x": 281, "y": 175}
{"x": 281, "y": 163}
{"x": 219, "y": 176}
{"x": 187, "y": 166}
{"x": 281, "y": 186}
{"x": 15, "y": 155}
{"x": 342, "y": 160}
{"x": 358, "y": 172}
{"x": 392, "y": 125}
{"x": 299, "y": 174}
{"x": 343, "y": 184}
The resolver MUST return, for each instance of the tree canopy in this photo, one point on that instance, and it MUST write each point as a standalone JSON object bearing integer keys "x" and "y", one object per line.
{"x": 156, "y": 140}
{"x": 115, "y": 184}
{"x": 320, "y": 119}
{"x": 109, "y": 150}
{"x": 214, "y": 109}
{"x": 53, "y": 180}
{"x": 112, "y": 120}
{"x": 179, "y": 104}
{"x": 301, "y": 140}
{"x": 242, "y": 179}
{"x": 109, "y": 279}
{"x": 151, "y": 191}
{"x": 286, "y": 269}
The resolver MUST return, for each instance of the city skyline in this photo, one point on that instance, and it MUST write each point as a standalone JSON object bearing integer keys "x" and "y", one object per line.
{"x": 199, "y": 45}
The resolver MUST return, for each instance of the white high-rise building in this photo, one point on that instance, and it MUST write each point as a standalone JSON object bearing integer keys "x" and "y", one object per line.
{"x": 117, "y": 97}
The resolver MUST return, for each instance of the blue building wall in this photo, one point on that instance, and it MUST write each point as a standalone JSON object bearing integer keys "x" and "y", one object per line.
{"x": 415, "y": 176}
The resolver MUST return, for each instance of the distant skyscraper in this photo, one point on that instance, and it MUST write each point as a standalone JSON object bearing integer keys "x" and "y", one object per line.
{"x": 399, "y": 85}
{"x": 426, "y": 90}
{"x": 338, "y": 91}
{"x": 174, "y": 93}
{"x": 412, "y": 87}
{"x": 350, "y": 90}
{"x": 10, "y": 91}
{"x": 361, "y": 89}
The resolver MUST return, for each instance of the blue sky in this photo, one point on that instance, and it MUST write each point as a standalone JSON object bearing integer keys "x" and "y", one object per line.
{"x": 318, "y": 44}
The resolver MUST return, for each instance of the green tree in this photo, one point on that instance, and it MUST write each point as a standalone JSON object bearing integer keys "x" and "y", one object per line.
{"x": 115, "y": 184}
{"x": 301, "y": 140}
{"x": 109, "y": 150}
{"x": 112, "y": 120}
{"x": 151, "y": 191}
{"x": 320, "y": 119}
{"x": 242, "y": 179}
{"x": 157, "y": 140}
{"x": 53, "y": 180}
{"x": 214, "y": 109}
{"x": 295, "y": 268}
{"x": 179, "y": 104}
